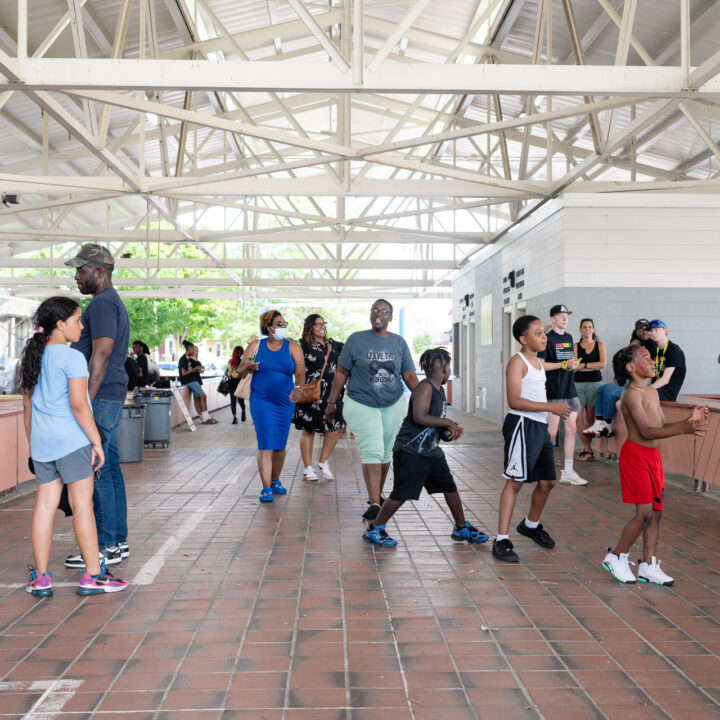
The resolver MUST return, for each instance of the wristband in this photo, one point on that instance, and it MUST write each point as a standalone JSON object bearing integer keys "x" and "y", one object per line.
{"x": 563, "y": 365}
{"x": 332, "y": 404}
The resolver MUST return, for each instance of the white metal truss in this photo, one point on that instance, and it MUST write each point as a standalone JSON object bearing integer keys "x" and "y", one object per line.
{"x": 335, "y": 150}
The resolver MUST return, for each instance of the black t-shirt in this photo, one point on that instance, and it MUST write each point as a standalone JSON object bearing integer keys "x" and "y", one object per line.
{"x": 417, "y": 438}
{"x": 559, "y": 384}
{"x": 187, "y": 363}
{"x": 142, "y": 364}
{"x": 131, "y": 370}
{"x": 673, "y": 357}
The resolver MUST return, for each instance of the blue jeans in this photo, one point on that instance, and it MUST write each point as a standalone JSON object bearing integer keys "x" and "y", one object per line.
{"x": 109, "y": 494}
{"x": 607, "y": 396}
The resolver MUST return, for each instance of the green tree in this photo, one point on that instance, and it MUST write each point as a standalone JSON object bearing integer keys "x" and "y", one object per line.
{"x": 421, "y": 343}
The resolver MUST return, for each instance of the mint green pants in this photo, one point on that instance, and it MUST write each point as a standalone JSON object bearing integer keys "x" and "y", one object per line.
{"x": 374, "y": 429}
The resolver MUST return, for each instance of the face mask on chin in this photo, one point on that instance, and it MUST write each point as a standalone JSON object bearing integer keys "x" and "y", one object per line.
{"x": 279, "y": 333}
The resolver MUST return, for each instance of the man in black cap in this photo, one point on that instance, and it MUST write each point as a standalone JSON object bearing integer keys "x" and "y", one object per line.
{"x": 560, "y": 363}
{"x": 104, "y": 343}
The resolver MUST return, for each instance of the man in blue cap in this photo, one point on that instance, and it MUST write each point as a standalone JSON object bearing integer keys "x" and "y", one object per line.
{"x": 669, "y": 362}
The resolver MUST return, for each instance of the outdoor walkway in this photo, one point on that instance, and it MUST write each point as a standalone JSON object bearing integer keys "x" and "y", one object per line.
{"x": 268, "y": 612}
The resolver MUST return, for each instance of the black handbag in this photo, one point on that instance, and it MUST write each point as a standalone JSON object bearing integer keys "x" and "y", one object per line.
{"x": 224, "y": 385}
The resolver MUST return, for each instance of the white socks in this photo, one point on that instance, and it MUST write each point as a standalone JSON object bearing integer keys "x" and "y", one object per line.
{"x": 532, "y": 525}
{"x": 568, "y": 467}
{"x": 503, "y": 537}
{"x": 204, "y": 415}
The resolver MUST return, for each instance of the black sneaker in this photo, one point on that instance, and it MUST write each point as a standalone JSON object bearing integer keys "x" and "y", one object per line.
{"x": 537, "y": 534}
{"x": 503, "y": 550}
{"x": 372, "y": 512}
{"x": 112, "y": 556}
{"x": 124, "y": 549}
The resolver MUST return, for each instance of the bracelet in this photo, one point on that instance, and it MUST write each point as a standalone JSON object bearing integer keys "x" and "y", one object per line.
{"x": 563, "y": 365}
{"x": 298, "y": 387}
{"x": 332, "y": 404}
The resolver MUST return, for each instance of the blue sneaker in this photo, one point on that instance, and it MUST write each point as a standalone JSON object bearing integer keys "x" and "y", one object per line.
{"x": 39, "y": 586}
{"x": 267, "y": 495}
{"x": 469, "y": 534}
{"x": 277, "y": 488}
{"x": 378, "y": 536}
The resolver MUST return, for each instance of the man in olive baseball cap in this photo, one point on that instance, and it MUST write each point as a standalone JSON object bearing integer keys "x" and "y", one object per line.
{"x": 91, "y": 253}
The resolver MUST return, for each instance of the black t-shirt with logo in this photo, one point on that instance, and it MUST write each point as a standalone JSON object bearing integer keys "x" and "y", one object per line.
{"x": 417, "y": 438}
{"x": 673, "y": 357}
{"x": 559, "y": 384}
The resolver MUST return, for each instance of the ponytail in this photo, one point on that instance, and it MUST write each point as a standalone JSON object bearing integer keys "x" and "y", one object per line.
{"x": 46, "y": 318}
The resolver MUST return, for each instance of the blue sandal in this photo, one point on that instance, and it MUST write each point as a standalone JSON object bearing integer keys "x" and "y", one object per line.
{"x": 277, "y": 488}
{"x": 267, "y": 495}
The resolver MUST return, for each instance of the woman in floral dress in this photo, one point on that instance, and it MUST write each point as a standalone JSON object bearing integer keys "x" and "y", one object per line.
{"x": 310, "y": 417}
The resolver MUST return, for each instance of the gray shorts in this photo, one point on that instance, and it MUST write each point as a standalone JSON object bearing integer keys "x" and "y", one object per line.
{"x": 71, "y": 468}
{"x": 573, "y": 402}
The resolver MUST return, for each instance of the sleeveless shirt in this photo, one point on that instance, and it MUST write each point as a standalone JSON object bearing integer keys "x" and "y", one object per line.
{"x": 532, "y": 388}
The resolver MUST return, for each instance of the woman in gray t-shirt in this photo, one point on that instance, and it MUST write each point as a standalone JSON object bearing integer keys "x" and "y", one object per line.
{"x": 374, "y": 363}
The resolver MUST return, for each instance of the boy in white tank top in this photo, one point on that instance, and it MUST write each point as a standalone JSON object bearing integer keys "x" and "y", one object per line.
{"x": 528, "y": 451}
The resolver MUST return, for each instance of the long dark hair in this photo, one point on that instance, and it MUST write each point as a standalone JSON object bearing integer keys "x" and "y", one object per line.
{"x": 594, "y": 335}
{"x": 46, "y": 318}
{"x": 308, "y": 327}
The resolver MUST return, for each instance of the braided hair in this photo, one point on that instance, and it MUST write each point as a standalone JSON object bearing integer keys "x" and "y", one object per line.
{"x": 433, "y": 355}
{"x": 46, "y": 318}
{"x": 620, "y": 360}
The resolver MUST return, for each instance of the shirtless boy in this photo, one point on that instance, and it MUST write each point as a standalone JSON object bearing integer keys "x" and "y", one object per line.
{"x": 642, "y": 477}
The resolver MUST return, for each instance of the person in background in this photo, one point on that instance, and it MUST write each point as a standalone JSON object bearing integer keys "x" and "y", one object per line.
{"x": 670, "y": 366}
{"x": 310, "y": 417}
{"x": 104, "y": 342}
{"x": 190, "y": 370}
{"x": 374, "y": 363}
{"x": 590, "y": 354}
{"x": 142, "y": 360}
{"x": 233, "y": 382}
{"x": 273, "y": 361}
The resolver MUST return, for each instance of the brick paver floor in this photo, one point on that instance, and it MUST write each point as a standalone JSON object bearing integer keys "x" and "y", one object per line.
{"x": 266, "y": 612}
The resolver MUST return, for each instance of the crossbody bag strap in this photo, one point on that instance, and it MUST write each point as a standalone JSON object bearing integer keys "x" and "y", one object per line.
{"x": 327, "y": 355}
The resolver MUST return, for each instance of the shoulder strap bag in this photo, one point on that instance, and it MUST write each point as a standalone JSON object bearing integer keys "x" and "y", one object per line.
{"x": 312, "y": 391}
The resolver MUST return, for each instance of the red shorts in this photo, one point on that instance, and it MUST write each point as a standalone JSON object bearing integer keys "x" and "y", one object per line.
{"x": 642, "y": 477}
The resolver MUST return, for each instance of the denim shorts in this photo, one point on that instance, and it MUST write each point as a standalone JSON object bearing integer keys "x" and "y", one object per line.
{"x": 71, "y": 468}
{"x": 196, "y": 389}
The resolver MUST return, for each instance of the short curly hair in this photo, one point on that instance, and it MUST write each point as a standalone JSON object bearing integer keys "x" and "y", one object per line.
{"x": 267, "y": 319}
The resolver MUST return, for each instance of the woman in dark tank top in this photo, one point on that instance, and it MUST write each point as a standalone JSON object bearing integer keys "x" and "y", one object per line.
{"x": 590, "y": 353}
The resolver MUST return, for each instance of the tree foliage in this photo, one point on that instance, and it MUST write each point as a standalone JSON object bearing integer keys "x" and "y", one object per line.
{"x": 421, "y": 343}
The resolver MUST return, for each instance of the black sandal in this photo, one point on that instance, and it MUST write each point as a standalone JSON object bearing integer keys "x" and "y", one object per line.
{"x": 586, "y": 456}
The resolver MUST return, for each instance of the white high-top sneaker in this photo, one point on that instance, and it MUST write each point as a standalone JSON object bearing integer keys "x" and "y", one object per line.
{"x": 619, "y": 566}
{"x": 599, "y": 428}
{"x": 651, "y": 572}
{"x": 570, "y": 477}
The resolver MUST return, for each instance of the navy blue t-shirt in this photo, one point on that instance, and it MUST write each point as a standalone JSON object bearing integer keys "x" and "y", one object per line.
{"x": 106, "y": 316}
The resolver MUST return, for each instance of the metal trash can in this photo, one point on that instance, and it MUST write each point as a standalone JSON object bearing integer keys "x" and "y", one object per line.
{"x": 157, "y": 403}
{"x": 130, "y": 441}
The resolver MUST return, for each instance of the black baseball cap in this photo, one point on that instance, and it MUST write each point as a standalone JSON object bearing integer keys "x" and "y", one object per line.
{"x": 557, "y": 309}
{"x": 642, "y": 323}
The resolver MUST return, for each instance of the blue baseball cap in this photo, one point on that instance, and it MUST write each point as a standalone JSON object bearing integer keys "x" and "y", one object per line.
{"x": 657, "y": 323}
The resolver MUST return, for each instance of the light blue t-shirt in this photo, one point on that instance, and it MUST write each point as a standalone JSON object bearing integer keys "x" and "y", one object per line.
{"x": 55, "y": 432}
{"x": 376, "y": 365}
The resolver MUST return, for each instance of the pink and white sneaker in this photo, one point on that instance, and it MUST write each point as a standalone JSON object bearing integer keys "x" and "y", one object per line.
{"x": 39, "y": 586}
{"x": 105, "y": 582}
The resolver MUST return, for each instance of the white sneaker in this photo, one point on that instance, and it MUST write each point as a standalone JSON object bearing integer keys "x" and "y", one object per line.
{"x": 619, "y": 566}
{"x": 324, "y": 468}
{"x": 570, "y": 477}
{"x": 309, "y": 473}
{"x": 651, "y": 572}
{"x": 599, "y": 428}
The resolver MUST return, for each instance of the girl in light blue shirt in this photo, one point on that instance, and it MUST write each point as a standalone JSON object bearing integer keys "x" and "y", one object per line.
{"x": 65, "y": 445}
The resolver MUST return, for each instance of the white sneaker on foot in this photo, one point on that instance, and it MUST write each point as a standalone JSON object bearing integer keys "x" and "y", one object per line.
{"x": 570, "y": 477}
{"x": 324, "y": 468}
{"x": 619, "y": 566}
{"x": 599, "y": 428}
{"x": 309, "y": 473}
{"x": 651, "y": 572}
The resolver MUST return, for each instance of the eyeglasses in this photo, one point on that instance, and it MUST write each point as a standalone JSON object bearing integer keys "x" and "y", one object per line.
{"x": 380, "y": 311}
{"x": 320, "y": 325}
{"x": 279, "y": 324}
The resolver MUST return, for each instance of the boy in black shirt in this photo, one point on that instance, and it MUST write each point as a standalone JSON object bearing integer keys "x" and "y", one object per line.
{"x": 418, "y": 460}
{"x": 559, "y": 361}
{"x": 669, "y": 362}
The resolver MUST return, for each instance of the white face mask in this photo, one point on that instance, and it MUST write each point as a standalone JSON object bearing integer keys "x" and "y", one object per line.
{"x": 279, "y": 333}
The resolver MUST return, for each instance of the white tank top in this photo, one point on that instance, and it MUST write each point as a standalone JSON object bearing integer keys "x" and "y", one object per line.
{"x": 532, "y": 388}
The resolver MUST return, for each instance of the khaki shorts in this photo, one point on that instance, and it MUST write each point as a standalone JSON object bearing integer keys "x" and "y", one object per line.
{"x": 587, "y": 392}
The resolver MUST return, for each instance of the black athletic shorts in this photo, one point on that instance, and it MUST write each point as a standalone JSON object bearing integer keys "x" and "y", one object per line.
{"x": 528, "y": 450}
{"x": 414, "y": 472}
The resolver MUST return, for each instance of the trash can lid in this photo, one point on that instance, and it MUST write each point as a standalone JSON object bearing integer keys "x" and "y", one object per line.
{"x": 154, "y": 392}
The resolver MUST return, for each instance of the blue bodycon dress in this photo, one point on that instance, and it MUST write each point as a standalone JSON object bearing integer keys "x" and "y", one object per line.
{"x": 270, "y": 405}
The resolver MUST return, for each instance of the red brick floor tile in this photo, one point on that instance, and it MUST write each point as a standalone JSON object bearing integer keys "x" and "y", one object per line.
{"x": 243, "y": 698}
{"x": 201, "y": 681}
{"x": 193, "y": 699}
{"x": 260, "y": 680}
{"x": 378, "y": 698}
{"x": 134, "y": 681}
{"x": 317, "y": 697}
{"x": 131, "y": 701}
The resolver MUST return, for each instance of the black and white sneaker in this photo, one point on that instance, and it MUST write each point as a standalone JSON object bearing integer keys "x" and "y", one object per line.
{"x": 112, "y": 556}
{"x": 503, "y": 550}
{"x": 372, "y": 512}
{"x": 540, "y": 536}
{"x": 124, "y": 549}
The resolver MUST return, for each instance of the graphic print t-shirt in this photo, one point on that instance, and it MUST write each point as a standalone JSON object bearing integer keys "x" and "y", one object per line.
{"x": 416, "y": 438}
{"x": 559, "y": 383}
{"x": 375, "y": 365}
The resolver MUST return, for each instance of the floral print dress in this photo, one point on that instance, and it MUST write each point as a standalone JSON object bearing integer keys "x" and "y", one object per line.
{"x": 311, "y": 416}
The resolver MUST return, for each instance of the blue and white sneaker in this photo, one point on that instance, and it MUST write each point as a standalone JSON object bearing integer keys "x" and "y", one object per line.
{"x": 278, "y": 488}
{"x": 377, "y": 536}
{"x": 469, "y": 534}
{"x": 267, "y": 495}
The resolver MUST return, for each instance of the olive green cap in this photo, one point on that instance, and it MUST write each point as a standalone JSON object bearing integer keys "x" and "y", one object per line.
{"x": 90, "y": 252}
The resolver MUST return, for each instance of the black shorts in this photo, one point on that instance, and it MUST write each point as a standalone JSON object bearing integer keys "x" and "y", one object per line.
{"x": 414, "y": 472}
{"x": 528, "y": 451}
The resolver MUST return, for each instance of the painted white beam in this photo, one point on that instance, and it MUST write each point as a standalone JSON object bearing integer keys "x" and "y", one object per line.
{"x": 308, "y": 76}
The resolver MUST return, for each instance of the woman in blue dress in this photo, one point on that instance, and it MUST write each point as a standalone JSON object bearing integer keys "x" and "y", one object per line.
{"x": 273, "y": 361}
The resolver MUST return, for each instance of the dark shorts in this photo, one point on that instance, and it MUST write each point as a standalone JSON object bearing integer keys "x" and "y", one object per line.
{"x": 528, "y": 451}
{"x": 642, "y": 477}
{"x": 573, "y": 402}
{"x": 414, "y": 472}
{"x": 71, "y": 468}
